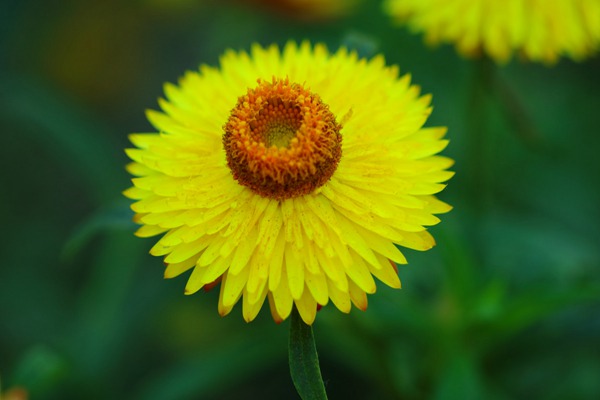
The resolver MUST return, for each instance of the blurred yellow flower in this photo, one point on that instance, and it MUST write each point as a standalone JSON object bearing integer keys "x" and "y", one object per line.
{"x": 289, "y": 175}
{"x": 540, "y": 30}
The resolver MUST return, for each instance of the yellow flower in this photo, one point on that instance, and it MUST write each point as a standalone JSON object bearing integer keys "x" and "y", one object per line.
{"x": 289, "y": 175}
{"x": 541, "y": 30}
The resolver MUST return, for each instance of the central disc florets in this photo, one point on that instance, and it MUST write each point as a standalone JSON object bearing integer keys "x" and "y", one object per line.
{"x": 281, "y": 140}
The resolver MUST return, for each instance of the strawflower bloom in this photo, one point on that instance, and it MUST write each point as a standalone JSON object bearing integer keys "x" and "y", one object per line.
{"x": 539, "y": 30}
{"x": 289, "y": 175}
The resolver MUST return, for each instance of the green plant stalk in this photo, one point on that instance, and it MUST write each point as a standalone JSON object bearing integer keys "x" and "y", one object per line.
{"x": 478, "y": 132}
{"x": 304, "y": 361}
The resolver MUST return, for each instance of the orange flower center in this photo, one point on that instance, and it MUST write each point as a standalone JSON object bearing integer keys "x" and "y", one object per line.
{"x": 281, "y": 140}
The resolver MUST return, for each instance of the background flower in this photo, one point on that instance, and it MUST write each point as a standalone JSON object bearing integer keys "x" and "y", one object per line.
{"x": 266, "y": 233}
{"x": 537, "y": 30}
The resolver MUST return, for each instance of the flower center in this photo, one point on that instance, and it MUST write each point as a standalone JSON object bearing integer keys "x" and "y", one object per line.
{"x": 281, "y": 140}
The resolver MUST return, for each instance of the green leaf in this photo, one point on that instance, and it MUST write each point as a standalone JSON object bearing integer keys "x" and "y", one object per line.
{"x": 212, "y": 371}
{"x": 462, "y": 266}
{"x": 304, "y": 362}
{"x": 101, "y": 310}
{"x": 117, "y": 217}
{"x": 460, "y": 379}
{"x": 40, "y": 371}
{"x": 533, "y": 306}
{"x": 69, "y": 132}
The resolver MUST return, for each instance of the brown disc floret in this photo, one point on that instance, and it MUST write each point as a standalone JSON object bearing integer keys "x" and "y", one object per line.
{"x": 281, "y": 140}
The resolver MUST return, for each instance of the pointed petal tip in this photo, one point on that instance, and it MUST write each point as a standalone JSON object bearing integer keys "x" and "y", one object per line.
{"x": 223, "y": 311}
{"x": 189, "y": 291}
{"x": 395, "y": 285}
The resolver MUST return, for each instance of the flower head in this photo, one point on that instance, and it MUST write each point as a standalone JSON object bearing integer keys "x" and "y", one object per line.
{"x": 540, "y": 30}
{"x": 289, "y": 175}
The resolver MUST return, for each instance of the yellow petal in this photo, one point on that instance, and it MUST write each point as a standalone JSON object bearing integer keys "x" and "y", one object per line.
{"x": 360, "y": 275}
{"x": 295, "y": 271}
{"x": 243, "y": 252}
{"x": 356, "y": 242}
{"x": 276, "y": 317}
{"x": 257, "y": 278}
{"x": 176, "y": 269}
{"x": 216, "y": 269}
{"x": 276, "y": 262}
{"x": 223, "y": 308}
{"x": 186, "y": 250}
{"x": 317, "y": 285}
{"x": 334, "y": 270}
{"x": 250, "y": 308}
{"x": 341, "y": 298}
{"x": 381, "y": 245}
{"x": 233, "y": 286}
{"x": 282, "y": 297}
{"x": 307, "y": 307}
{"x": 387, "y": 273}
{"x": 149, "y": 230}
{"x": 195, "y": 281}
{"x": 358, "y": 296}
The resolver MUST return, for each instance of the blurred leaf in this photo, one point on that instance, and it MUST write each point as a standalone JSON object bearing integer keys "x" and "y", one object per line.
{"x": 100, "y": 314}
{"x": 214, "y": 370}
{"x": 9, "y": 10}
{"x": 459, "y": 379}
{"x": 461, "y": 266}
{"x": 354, "y": 342}
{"x": 40, "y": 371}
{"x": 365, "y": 45}
{"x": 490, "y": 301}
{"x": 113, "y": 218}
{"x": 68, "y": 131}
{"x": 406, "y": 371}
{"x": 534, "y": 305}
{"x": 579, "y": 378}
{"x": 552, "y": 250}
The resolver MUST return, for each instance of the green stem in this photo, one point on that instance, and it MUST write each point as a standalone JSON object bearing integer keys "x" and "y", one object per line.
{"x": 304, "y": 362}
{"x": 478, "y": 140}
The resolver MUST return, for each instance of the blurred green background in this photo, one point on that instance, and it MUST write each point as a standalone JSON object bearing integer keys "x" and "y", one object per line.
{"x": 506, "y": 306}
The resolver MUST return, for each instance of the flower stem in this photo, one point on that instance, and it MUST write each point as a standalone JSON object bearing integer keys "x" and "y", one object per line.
{"x": 479, "y": 153}
{"x": 304, "y": 362}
